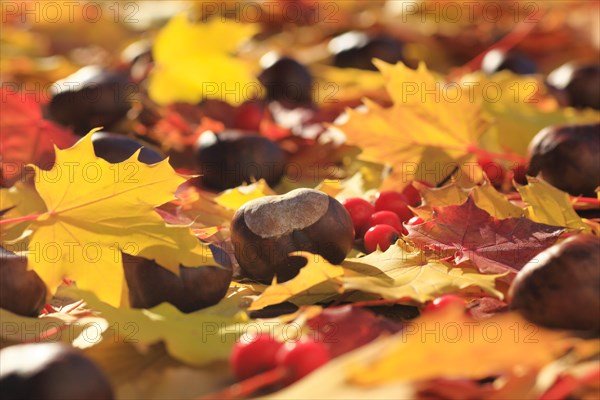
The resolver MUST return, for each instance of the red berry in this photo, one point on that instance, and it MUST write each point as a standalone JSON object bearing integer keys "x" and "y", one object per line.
{"x": 384, "y": 218}
{"x": 493, "y": 170}
{"x": 412, "y": 195}
{"x": 382, "y": 236}
{"x": 302, "y": 358}
{"x": 360, "y": 211}
{"x": 253, "y": 354}
{"x": 248, "y": 116}
{"x": 393, "y": 201}
{"x": 445, "y": 301}
{"x": 415, "y": 221}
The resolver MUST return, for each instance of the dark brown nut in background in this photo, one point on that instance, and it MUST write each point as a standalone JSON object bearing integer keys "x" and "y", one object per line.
{"x": 90, "y": 98}
{"x": 230, "y": 158}
{"x": 288, "y": 82}
{"x": 116, "y": 148}
{"x": 514, "y": 61}
{"x": 357, "y": 50}
{"x": 579, "y": 83}
{"x": 567, "y": 157}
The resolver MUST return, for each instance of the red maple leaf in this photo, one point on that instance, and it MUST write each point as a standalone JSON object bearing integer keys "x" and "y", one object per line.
{"x": 493, "y": 245}
{"x": 26, "y": 137}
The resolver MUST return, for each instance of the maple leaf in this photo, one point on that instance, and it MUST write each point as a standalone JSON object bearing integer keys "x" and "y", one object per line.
{"x": 154, "y": 373}
{"x": 312, "y": 284}
{"x": 399, "y": 272}
{"x": 423, "y": 351}
{"x": 179, "y": 127}
{"x": 236, "y": 197}
{"x": 350, "y": 83}
{"x": 549, "y": 205}
{"x": 489, "y": 199}
{"x": 485, "y": 197}
{"x": 197, "y": 338}
{"x": 194, "y": 61}
{"x": 26, "y": 136}
{"x": 95, "y": 210}
{"x": 493, "y": 245}
{"x": 18, "y": 201}
{"x": 521, "y": 107}
{"x": 345, "y": 337}
{"x": 418, "y": 136}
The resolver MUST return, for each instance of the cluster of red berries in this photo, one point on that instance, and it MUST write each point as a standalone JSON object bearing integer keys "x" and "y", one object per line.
{"x": 381, "y": 223}
{"x": 498, "y": 175}
{"x": 254, "y": 354}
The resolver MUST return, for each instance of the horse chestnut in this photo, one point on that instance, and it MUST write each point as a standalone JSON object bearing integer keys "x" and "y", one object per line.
{"x": 116, "y": 148}
{"x": 287, "y": 81}
{"x": 357, "y": 50}
{"x": 560, "y": 287}
{"x": 89, "y": 98}
{"x": 579, "y": 83}
{"x": 567, "y": 157}
{"x": 195, "y": 288}
{"x": 498, "y": 60}
{"x": 50, "y": 371}
{"x": 265, "y": 231}
{"x": 230, "y": 158}
{"x": 21, "y": 291}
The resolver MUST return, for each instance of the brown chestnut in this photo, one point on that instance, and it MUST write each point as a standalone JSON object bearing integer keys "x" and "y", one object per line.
{"x": 195, "y": 288}
{"x": 21, "y": 291}
{"x": 560, "y": 287}
{"x": 91, "y": 97}
{"x": 116, "y": 148}
{"x": 579, "y": 82}
{"x": 567, "y": 157}
{"x": 265, "y": 231}
{"x": 50, "y": 371}
{"x": 230, "y": 158}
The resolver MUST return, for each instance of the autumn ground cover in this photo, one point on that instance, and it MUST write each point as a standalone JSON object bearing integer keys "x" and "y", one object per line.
{"x": 300, "y": 199}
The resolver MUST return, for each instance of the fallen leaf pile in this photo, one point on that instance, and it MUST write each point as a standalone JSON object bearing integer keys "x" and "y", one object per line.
{"x": 427, "y": 124}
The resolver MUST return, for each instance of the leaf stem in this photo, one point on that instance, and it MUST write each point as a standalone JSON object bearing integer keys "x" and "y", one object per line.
{"x": 248, "y": 387}
{"x": 55, "y": 330}
{"x": 586, "y": 200}
{"x": 24, "y": 218}
{"x": 512, "y": 39}
{"x": 497, "y": 156}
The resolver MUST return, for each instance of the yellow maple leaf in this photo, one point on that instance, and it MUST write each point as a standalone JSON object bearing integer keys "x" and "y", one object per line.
{"x": 195, "y": 61}
{"x": 549, "y": 205}
{"x": 197, "y": 338}
{"x": 401, "y": 271}
{"x": 520, "y": 106}
{"x": 489, "y": 199}
{"x": 343, "y": 84}
{"x": 452, "y": 345}
{"x": 95, "y": 210}
{"x": 236, "y": 197}
{"x": 315, "y": 282}
{"x": 429, "y": 132}
{"x": 485, "y": 196}
{"x": 19, "y": 200}
{"x": 397, "y": 273}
